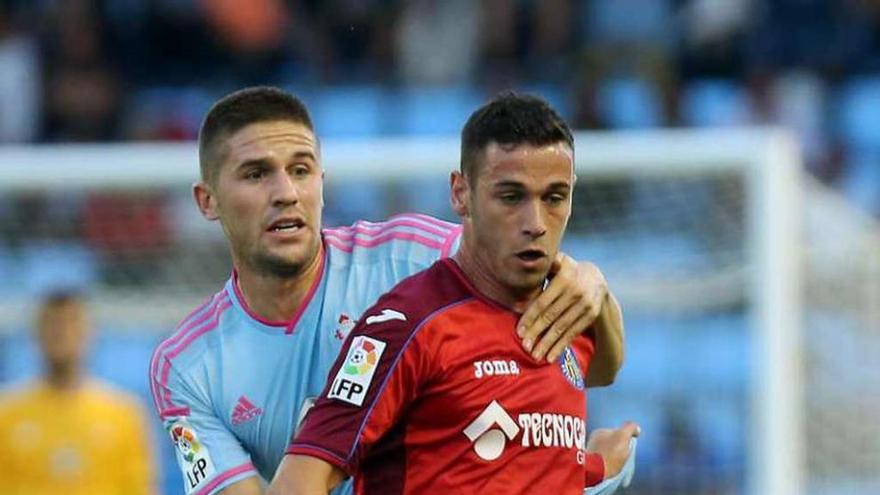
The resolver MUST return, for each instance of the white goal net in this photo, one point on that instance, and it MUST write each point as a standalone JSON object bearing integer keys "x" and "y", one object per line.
{"x": 750, "y": 293}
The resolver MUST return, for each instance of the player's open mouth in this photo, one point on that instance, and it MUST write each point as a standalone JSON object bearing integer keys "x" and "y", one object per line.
{"x": 530, "y": 255}
{"x": 286, "y": 225}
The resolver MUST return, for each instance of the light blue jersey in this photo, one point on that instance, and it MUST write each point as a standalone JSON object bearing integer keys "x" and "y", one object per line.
{"x": 230, "y": 387}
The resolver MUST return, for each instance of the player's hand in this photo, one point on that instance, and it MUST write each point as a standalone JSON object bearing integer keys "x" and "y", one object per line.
{"x": 566, "y": 309}
{"x": 613, "y": 445}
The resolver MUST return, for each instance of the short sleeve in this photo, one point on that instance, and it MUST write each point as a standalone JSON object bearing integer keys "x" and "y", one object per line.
{"x": 378, "y": 373}
{"x": 210, "y": 457}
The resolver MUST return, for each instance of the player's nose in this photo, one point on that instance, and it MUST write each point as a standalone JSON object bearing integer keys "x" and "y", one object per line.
{"x": 532, "y": 221}
{"x": 284, "y": 190}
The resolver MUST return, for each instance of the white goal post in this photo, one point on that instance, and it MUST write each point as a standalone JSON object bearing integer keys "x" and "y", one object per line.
{"x": 767, "y": 159}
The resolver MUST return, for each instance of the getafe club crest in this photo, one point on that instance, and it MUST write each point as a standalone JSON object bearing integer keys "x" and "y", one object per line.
{"x": 569, "y": 366}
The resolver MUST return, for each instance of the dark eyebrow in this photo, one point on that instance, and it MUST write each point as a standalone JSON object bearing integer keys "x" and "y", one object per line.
{"x": 262, "y": 162}
{"x": 559, "y": 185}
{"x": 508, "y": 183}
{"x": 255, "y": 162}
{"x": 305, "y": 154}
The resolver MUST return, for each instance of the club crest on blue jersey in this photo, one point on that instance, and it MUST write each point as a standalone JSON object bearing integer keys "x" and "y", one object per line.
{"x": 343, "y": 327}
{"x": 569, "y": 366}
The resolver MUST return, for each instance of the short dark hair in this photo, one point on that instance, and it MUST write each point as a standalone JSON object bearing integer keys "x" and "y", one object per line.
{"x": 58, "y": 298}
{"x": 240, "y": 109}
{"x": 510, "y": 119}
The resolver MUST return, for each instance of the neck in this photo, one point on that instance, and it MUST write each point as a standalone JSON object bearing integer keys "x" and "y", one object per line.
{"x": 278, "y": 298}
{"x": 480, "y": 275}
{"x": 63, "y": 377}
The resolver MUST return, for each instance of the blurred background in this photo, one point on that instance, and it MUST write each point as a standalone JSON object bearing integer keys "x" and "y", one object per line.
{"x": 676, "y": 245}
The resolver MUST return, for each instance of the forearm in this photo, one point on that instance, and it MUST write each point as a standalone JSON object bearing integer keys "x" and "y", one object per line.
{"x": 609, "y": 335}
{"x": 247, "y": 486}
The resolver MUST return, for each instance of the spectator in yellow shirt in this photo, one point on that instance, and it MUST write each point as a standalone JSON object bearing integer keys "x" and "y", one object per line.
{"x": 67, "y": 433}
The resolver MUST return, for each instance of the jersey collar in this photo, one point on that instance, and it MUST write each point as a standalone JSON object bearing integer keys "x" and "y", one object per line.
{"x": 288, "y": 325}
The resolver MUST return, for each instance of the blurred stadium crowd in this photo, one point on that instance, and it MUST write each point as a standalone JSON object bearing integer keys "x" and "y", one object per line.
{"x": 88, "y": 70}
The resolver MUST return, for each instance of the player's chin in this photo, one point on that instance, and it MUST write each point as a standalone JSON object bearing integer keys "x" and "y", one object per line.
{"x": 526, "y": 280}
{"x": 287, "y": 260}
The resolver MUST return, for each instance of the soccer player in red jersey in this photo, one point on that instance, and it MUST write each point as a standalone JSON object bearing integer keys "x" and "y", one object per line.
{"x": 434, "y": 393}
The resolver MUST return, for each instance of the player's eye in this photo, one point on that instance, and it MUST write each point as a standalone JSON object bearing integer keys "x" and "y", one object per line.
{"x": 510, "y": 197}
{"x": 556, "y": 199}
{"x": 301, "y": 170}
{"x": 255, "y": 174}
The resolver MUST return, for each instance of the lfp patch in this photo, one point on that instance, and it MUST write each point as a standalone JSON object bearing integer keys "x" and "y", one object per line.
{"x": 569, "y": 365}
{"x": 193, "y": 457}
{"x": 353, "y": 378}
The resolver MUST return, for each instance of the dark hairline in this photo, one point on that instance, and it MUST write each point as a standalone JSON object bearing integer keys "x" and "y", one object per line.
{"x": 478, "y": 155}
{"x": 240, "y": 109}
{"x": 527, "y": 120}
{"x": 209, "y": 172}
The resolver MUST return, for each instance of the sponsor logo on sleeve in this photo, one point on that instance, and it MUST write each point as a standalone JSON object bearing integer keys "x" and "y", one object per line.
{"x": 192, "y": 456}
{"x": 386, "y": 315}
{"x": 354, "y": 376}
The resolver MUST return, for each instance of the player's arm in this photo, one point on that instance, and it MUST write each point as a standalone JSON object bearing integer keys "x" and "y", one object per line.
{"x": 379, "y": 371}
{"x": 609, "y": 335}
{"x": 575, "y": 301}
{"x": 247, "y": 486}
{"x": 612, "y": 448}
{"x": 210, "y": 457}
{"x": 305, "y": 475}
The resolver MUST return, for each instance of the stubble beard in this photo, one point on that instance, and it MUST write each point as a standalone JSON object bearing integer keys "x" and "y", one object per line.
{"x": 279, "y": 267}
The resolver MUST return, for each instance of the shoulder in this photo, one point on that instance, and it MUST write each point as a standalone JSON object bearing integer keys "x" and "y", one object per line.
{"x": 417, "y": 298}
{"x": 184, "y": 349}
{"x": 17, "y": 395}
{"x": 112, "y": 394}
{"x": 189, "y": 339}
{"x": 410, "y": 236}
{"x": 111, "y": 397}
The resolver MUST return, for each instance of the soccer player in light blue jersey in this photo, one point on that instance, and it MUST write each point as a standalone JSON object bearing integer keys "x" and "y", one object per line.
{"x": 233, "y": 381}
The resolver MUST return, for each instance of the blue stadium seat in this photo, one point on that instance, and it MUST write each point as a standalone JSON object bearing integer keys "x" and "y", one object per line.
{"x": 436, "y": 111}
{"x": 628, "y": 103}
{"x": 613, "y": 20}
{"x": 428, "y": 195}
{"x": 861, "y": 183}
{"x": 714, "y": 103}
{"x": 858, "y": 104}
{"x": 722, "y": 421}
{"x": 346, "y": 202}
{"x": 57, "y": 265}
{"x": 349, "y": 111}
{"x": 713, "y": 354}
{"x": 181, "y": 107}
{"x": 609, "y": 407}
{"x": 555, "y": 95}
{"x": 10, "y": 272}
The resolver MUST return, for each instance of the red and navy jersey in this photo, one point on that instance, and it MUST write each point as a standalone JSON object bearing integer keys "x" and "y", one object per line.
{"x": 434, "y": 394}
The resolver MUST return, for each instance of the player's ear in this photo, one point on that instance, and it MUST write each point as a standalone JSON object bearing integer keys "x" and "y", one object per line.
{"x": 205, "y": 199}
{"x": 459, "y": 194}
